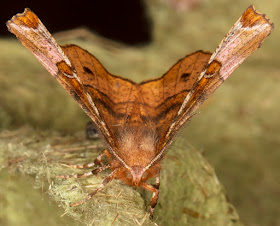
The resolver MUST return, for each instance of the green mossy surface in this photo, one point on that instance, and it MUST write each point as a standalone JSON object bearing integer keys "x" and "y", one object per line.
{"x": 190, "y": 194}
{"x": 238, "y": 129}
{"x": 22, "y": 204}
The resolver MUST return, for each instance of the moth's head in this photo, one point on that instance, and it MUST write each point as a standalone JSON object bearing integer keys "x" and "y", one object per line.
{"x": 133, "y": 175}
{"x": 136, "y": 175}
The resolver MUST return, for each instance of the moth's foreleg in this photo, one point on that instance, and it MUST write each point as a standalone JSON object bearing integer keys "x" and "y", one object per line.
{"x": 108, "y": 179}
{"x": 96, "y": 162}
{"x": 87, "y": 174}
{"x": 155, "y": 189}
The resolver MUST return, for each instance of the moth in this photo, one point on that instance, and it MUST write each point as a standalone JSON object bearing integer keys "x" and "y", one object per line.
{"x": 139, "y": 121}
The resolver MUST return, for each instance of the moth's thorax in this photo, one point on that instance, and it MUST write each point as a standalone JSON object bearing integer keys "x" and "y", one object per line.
{"x": 137, "y": 146}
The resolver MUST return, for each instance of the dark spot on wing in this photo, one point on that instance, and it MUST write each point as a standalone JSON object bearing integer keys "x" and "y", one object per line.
{"x": 87, "y": 70}
{"x": 185, "y": 76}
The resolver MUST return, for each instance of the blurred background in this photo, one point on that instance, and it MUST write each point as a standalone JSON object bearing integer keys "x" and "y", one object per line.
{"x": 238, "y": 129}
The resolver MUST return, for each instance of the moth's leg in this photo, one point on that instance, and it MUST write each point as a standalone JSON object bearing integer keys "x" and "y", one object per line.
{"x": 155, "y": 189}
{"x": 96, "y": 162}
{"x": 108, "y": 179}
{"x": 93, "y": 172}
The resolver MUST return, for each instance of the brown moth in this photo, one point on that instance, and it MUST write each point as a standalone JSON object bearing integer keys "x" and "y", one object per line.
{"x": 139, "y": 121}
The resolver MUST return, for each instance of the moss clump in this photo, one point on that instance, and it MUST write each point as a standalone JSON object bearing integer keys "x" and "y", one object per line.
{"x": 190, "y": 191}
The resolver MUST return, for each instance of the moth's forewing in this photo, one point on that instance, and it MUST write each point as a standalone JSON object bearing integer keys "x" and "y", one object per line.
{"x": 245, "y": 37}
{"x": 163, "y": 97}
{"x": 112, "y": 95}
{"x": 33, "y": 35}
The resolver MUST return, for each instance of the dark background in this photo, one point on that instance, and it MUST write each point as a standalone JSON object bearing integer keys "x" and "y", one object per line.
{"x": 125, "y": 21}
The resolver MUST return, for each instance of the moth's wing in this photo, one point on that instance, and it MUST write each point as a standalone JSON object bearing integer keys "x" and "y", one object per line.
{"x": 112, "y": 96}
{"x": 245, "y": 37}
{"x": 79, "y": 73}
{"x": 163, "y": 97}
